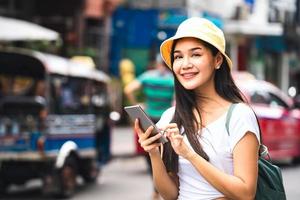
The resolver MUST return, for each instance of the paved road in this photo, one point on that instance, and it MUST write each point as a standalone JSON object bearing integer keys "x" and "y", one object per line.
{"x": 291, "y": 179}
{"x": 125, "y": 177}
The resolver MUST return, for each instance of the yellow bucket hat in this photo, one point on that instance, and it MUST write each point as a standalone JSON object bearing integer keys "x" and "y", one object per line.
{"x": 196, "y": 27}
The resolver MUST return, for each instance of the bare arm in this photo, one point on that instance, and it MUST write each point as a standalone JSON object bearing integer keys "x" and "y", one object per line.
{"x": 165, "y": 183}
{"x": 130, "y": 89}
{"x": 240, "y": 185}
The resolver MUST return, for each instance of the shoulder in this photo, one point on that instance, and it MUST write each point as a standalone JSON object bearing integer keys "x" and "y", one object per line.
{"x": 244, "y": 107}
{"x": 147, "y": 75}
{"x": 169, "y": 112}
{"x": 166, "y": 117}
{"x": 150, "y": 72}
{"x": 243, "y": 120}
{"x": 243, "y": 110}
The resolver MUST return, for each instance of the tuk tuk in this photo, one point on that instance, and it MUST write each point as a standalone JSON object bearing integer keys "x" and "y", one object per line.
{"x": 52, "y": 111}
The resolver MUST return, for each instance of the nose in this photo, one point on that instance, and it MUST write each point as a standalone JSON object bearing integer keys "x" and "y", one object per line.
{"x": 186, "y": 64}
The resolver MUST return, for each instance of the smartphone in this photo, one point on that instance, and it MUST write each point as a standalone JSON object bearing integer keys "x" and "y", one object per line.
{"x": 137, "y": 111}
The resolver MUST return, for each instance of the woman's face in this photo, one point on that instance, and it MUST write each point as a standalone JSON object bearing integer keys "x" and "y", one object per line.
{"x": 194, "y": 64}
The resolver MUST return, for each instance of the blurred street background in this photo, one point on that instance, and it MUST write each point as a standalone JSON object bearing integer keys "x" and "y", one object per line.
{"x": 125, "y": 176}
{"x": 63, "y": 67}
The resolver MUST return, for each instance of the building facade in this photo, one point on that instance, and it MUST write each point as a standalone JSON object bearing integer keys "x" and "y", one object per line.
{"x": 261, "y": 34}
{"x": 84, "y": 25}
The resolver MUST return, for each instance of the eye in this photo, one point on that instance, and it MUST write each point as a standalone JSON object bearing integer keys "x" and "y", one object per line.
{"x": 196, "y": 55}
{"x": 176, "y": 57}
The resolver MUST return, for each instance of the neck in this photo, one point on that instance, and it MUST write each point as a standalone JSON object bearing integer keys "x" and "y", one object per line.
{"x": 209, "y": 100}
{"x": 207, "y": 97}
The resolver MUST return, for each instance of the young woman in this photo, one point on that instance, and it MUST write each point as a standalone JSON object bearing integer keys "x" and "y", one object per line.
{"x": 201, "y": 160}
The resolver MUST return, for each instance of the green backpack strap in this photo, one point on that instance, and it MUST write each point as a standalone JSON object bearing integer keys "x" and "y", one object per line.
{"x": 263, "y": 150}
{"x": 228, "y": 116}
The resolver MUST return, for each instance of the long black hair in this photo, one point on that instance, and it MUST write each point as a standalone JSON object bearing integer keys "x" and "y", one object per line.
{"x": 186, "y": 102}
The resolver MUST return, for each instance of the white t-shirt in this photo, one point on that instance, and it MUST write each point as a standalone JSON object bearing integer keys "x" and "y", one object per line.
{"x": 218, "y": 145}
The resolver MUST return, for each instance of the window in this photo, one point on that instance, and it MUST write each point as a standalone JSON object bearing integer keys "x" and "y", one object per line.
{"x": 70, "y": 95}
{"x": 259, "y": 98}
{"x": 16, "y": 85}
{"x": 268, "y": 98}
{"x": 277, "y": 101}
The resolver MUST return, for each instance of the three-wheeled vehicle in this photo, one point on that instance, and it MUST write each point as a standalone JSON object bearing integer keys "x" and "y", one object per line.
{"x": 52, "y": 110}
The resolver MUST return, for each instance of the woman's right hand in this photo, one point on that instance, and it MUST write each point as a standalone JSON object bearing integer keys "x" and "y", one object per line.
{"x": 146, "y": 141}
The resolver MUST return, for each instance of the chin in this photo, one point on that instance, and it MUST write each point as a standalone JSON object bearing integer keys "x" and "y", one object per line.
{"x": 190, "y": 86}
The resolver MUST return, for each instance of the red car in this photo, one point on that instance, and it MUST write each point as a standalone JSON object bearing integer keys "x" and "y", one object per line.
{"x": 279, "y": 119}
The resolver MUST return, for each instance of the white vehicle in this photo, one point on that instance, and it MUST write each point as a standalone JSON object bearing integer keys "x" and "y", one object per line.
{"x": 51, "y": 112}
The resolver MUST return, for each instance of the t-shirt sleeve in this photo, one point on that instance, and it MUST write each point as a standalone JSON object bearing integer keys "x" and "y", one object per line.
{"x": 166, "y": 118}
{"x": 145, "y": 76}
{"x": 141, "y": 78}
{"x": 242, "y": 120}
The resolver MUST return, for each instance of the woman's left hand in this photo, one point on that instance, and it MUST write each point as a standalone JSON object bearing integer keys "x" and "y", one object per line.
{"x": 176, "y": 139}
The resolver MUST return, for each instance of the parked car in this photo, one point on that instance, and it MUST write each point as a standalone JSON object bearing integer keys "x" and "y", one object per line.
{"x": 279, "y": 118}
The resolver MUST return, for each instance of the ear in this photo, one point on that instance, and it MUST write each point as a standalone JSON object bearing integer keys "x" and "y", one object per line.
{"x": 218, "y": 60}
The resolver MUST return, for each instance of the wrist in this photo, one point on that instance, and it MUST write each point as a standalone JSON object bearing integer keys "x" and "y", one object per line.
{"x": 190, "y": 155}
{"x": 154, "y": 152}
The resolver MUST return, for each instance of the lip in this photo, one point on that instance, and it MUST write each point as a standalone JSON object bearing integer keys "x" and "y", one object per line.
{"x": 189, "y": 75}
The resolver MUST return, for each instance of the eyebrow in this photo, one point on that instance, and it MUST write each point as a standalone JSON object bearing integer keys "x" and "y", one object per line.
{"x": 192, "y": 49}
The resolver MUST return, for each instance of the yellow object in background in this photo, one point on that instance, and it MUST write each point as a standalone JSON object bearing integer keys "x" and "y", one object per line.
{"x": 127, "y": 71}
{"x": 86, "y": 60}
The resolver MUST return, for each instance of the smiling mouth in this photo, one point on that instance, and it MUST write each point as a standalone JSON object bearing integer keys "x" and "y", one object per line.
{"x": 189, "y": 75}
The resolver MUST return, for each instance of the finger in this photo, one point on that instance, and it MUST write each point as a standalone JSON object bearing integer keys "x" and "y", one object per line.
{"x": 144, "y": 136}
{"x": 177, "y": 137}
{"x": 172, "y": 131}
{"x": 171, "y": 125}
{"x": 174, "y": 137}
{"x": 137, "y": 127}
{"x": 150, "y": 140}
{"x": 151, "y": 146}
{"x": 148, "y": 131}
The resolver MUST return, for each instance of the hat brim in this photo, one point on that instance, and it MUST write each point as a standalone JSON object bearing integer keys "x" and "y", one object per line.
{"x": 166, "y": 48}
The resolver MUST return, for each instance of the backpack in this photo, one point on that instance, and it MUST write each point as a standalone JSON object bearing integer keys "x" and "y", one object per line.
{"x": 269, "y": 182}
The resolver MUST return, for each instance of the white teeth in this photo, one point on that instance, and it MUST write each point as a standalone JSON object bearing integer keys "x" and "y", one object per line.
{"x": 188, "y": 75}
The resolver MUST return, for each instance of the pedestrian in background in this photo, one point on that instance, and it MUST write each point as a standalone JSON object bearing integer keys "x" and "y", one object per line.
{"x": 201, "y": 160}
{"x": 157, "y": 86}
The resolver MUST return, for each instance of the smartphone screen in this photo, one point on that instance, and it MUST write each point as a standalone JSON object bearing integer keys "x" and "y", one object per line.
{"x": 136, "y": 111}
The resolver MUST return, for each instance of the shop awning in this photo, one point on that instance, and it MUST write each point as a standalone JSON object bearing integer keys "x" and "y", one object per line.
{"x": 20, "y": 30}
{"x": 250, "y": 28}
{"x": 36, "y": 64}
